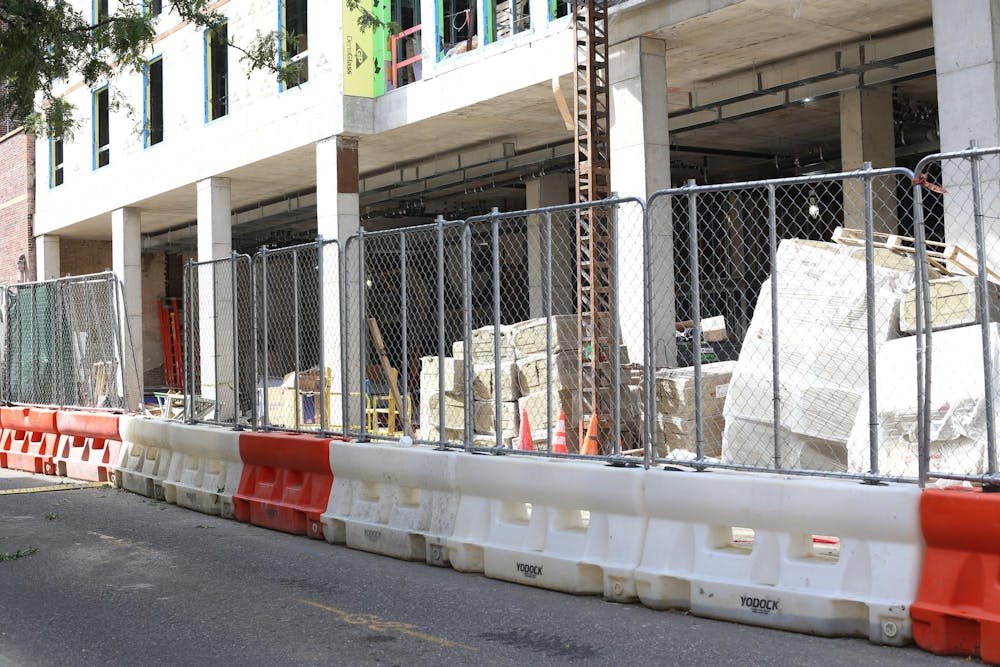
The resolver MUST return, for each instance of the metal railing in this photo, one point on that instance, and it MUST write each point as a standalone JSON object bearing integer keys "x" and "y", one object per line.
{"x": 814, "y": 326}
{"x": 63, "y": 344}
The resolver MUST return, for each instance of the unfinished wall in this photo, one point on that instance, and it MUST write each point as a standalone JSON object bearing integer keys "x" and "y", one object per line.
{"x": 154, "y": 289}
{"x": 17, "y": 203}
{"x": 79, "y": 257}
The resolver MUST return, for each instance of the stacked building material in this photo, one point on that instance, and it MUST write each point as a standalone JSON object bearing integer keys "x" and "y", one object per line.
{"x": 953, "y": 304}
{"x": 454, "y": 385}
{"x": 675, "y": 407}
{"x": 957, "y": 406}
{"x": 822, "y": 355}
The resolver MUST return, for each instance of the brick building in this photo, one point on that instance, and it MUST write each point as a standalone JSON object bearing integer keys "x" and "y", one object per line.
{"x": 17, "y": 203}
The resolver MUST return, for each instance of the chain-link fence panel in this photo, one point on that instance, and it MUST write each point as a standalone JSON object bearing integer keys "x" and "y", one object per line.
{"x": 551, "y": 338}
{"x": 294, "y": 387}
{"x": 412, "y": 333}
{"x": 219, "y": 329}
{"x": 787, "y": 292}
{"x": 959, "y": 209}
{"x": 63, "y": 344}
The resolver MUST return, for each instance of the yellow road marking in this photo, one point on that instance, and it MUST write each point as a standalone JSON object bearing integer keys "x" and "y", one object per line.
{"x": 378, "y": 624}
{"x": 56, "y": 487}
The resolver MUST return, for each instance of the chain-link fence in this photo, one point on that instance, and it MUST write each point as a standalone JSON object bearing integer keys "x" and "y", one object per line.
{"x": 958, "y": 204}
{"x": 824, "y": 325}
{"x": 786, "y": 294}
{"x": 220, "y": 342}
{"x": 63, "y": 344}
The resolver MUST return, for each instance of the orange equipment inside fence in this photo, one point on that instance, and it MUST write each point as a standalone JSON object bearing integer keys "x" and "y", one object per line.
{"x": 170, "y": 334}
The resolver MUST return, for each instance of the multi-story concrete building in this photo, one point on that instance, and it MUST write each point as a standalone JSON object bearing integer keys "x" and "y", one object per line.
{"x": 205, "y": 156}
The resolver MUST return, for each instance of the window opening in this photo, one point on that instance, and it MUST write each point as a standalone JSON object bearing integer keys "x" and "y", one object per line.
{"x": 456, "y": 27}
{"x": 56, "y": 162}
{"x": 295, "y": 39}
{"x": 154, "y": 102}
{"x": 506, "y": 17}
{"x": 217, "y": 71}
{"x": 102, "y": 134}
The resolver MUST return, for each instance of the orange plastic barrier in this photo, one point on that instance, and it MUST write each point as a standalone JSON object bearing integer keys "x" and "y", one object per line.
{"x": 957, "y": 611}
{"x": 29, "y": 438}
{"x": 89, "y": 444}
{"x": 286, "y": 482}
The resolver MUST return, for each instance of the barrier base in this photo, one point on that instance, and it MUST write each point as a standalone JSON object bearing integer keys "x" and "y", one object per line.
{"x": 278, "y": 516}
{"x": 141, "y": 484}
{"x": 37, "y": 463}
{"x": 798, "y": 611}
{"x": 199, "y": 500}
{"x": 395, "y": 542}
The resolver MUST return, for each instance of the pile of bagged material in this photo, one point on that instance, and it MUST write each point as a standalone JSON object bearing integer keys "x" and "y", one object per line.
{"x": 525, "y": 368}
{"x": 822, "y": 355}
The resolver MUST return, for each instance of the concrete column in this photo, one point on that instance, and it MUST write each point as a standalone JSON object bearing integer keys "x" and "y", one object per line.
{"x": 967, "y": 59}
{"x": 550, "y": 190}
{"x": 126, "y": 261}
{"x": 47, "y": 257}
{"x": 338, "y": 217}
{"x": 640, "y": 165}
{"x": 867, "y": 134}
{"x": 215, "y": 302}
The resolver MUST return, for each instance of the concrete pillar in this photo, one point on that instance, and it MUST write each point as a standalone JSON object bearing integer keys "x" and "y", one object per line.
{"x": 126, "y": 261}
{"x": 867, "y": 134}
{"x": 47, "y": 257}
{"x": 967, "y": 59}
{"x": 550, "y": 190}
{"x": 215, "y": 302}
{"x": 640, "y": 165}
{"x": 338, "y": 217}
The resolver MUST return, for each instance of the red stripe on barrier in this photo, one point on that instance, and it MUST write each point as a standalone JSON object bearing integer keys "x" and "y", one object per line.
{"x": 29, "y": 438}
{"x": 957, "y": 611}
{"x": 89, "y": 444}
{"x": 286, "y": 482}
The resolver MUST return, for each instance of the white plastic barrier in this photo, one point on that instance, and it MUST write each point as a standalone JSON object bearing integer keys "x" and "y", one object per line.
{"x": 784, "y": 576}
{"x": 392, "y": 500}
{"x": 570, "y": 526}
{"x": 205, "y": 468}
{"x": 144, "y": 456}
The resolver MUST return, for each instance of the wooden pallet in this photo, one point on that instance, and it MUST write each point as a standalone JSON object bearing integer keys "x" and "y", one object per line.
{"x": 948, "y": 259}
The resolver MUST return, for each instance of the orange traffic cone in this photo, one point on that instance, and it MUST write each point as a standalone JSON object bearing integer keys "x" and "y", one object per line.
{"x": 559, "y": 437}
{"x": 589, "y": 446}
{"x": 526, "y": 444}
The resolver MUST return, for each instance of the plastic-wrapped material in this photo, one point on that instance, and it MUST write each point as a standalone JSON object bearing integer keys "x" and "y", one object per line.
{"x": 484, "y": 387}
{"x": 957, "y": 411}
{"x": 677, "y": 433}
{"x": 529, "y": 336}
{"x": 531, "y": 372}
{"x": 485, "y": 418}
{"x": 746, "y": 442}
{"x": 823, "y": 350}
{"x": 482, "y": 344}
{"x": 454, "y": 411}
{"x": 675, "y": 389}
{"x": 454, "y": 374}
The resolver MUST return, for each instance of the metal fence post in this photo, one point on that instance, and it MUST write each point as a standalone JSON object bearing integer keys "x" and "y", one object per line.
{"x": 404, "y": 409}
{"x": 467, "y": 373}
{"x": 121, "y": 326}
{"x": 772, "y": 231}
{"x": 254, "y": 406}
{"x": 495, "y": 239}
{"x": 439, "y": 221}
{"x": 362, "y": 335}
{"x": 648, "y": 357}
{"x": 296, "y": 313}
{"x": 548, "y": 331}
{"x": 266, "y": 335}
{"x": 616, "y": 370}
{"x": 923, "y": 337}
{"x": 699, "y": 427}
{"x": 342, "y": 292}
{"x": 234, "y": 260}
{"x": 870, "y": 315}
{"x": 189, "y": 341}
{"x": 320, "y": 313}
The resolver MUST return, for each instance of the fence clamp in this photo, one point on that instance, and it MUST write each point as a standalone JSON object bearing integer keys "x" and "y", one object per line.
{"x": 921, "y": 179}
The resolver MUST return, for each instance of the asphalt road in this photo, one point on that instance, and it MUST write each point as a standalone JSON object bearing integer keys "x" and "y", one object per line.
{"x": 119, "y": 579}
